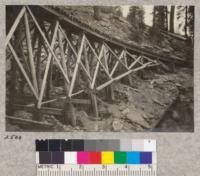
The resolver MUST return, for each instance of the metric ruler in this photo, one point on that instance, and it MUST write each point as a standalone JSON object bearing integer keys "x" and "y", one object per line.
{"x": 58, "y": 157}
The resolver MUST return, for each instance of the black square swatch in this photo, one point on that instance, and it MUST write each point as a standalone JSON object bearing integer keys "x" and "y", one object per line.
{"x": 54, "y": 144}
{"x": 41, "y": 145}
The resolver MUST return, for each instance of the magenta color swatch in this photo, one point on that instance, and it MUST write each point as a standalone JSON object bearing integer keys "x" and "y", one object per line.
{"x": 83, "y": 158}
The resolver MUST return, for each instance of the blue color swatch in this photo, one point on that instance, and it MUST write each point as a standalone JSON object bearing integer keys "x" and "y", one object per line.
{"x": 146, "y": 157}
{"x": 133, "y": 157}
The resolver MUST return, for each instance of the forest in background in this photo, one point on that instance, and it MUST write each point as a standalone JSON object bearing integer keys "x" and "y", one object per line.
{"x": 163, "y": 18}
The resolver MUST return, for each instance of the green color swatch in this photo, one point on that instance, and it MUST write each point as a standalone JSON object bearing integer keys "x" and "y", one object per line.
{"x": 120, "y": 157}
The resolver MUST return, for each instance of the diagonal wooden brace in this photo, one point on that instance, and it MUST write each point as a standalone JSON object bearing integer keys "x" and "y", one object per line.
{"x": 22, "y": 70}
{"x": 15, "y": 24}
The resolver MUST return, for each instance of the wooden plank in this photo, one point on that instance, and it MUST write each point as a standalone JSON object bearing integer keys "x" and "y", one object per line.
{"x": 76, "y": 66}
{"x": 30, "y": 52}
{"x": 15, "y": 24}
{"x": 47, "y": 68}
{"x": 22, "y": 70}
{"x": 32, "y": 123}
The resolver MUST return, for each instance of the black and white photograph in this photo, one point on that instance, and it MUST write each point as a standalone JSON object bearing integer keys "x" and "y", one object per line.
{"x": 99, "y": 68}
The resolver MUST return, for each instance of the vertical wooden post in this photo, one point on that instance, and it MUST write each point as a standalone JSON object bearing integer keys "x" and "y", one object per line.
{"x": 37, "y": 113}
{"x": 69, "y": 113}
{"x": 130, "y": 80}
{"x": 94, "y": 104}
{"x": 92, "y": 95}
{"x": 110, "y": 93}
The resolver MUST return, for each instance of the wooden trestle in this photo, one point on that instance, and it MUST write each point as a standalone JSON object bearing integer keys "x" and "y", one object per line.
{"x": 86, "y": 64}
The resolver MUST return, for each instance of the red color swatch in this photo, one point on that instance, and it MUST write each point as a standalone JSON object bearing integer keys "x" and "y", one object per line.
{"x": 95, "y": 157}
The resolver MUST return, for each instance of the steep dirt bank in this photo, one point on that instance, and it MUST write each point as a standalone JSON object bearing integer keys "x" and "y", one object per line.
{"x": 164, "y": 101}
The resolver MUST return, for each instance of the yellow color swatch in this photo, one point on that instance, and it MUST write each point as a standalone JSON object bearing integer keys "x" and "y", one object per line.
{"x": 107, "y": 157}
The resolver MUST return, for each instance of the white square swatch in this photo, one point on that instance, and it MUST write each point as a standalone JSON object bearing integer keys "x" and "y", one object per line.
{"x": 149, "y": 145}
{"x": 70, "y": 158}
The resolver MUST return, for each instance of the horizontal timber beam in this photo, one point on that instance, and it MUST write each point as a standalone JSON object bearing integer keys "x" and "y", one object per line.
{"x": 116, "y": 42}
{"x": 33, "y": 123}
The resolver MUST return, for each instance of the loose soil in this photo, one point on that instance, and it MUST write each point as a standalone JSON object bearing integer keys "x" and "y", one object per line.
{"x": 156, "y": 102}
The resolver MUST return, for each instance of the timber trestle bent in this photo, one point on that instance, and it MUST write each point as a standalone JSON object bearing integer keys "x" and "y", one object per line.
{"x": 46, "y": 53}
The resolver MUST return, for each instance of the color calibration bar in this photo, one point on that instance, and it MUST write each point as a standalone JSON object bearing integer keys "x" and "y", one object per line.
{"x": 96, "y": 145}
{"x": 58, "y": 157}
{"x": 104, "y": 157}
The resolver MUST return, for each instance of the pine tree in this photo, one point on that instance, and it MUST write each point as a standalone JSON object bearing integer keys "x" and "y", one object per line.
{"x": 172, "y": 12}
{"x": 191, "y": 20}
{"x": 185, "y": 17}
{"x": 160, "y": 19}
{"x": 136, "y": 16}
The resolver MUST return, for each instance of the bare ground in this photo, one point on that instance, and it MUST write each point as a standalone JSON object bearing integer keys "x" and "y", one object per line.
{"x": 156, "y": 102}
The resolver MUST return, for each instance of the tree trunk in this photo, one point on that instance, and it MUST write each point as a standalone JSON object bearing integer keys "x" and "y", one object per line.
{"x": 97, "y": 13}
{"x": 186, "y": 18}
{"x": 172, "y": 19}
{"x": 154, "y": 17}
{"x": 166, "y": 18}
